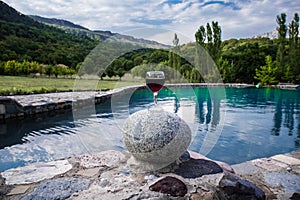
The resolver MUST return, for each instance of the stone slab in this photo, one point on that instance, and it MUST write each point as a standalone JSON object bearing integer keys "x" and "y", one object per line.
{"x": 109, "y": 158}
{"x": 269, "y": 164}
{"x": 89, "y": 172}
{"x": 245, "y": 168}
{"x": 35, "y": 172}
{"x": 286, "y": 159}
{"x": 20, "y": 189}
{"x": 58, "y": 189}
{"x": 290, "y": 182}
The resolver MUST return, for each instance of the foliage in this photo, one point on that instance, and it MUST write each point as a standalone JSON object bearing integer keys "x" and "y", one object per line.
{"x": 26, "y": 68}
{"x": 22, "y": 38}
{"x": 28, "y": 47}
{"x": 266, "y": 75}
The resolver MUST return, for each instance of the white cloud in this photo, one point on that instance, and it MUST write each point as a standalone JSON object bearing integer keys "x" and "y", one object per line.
{"x": 237, "y": 18}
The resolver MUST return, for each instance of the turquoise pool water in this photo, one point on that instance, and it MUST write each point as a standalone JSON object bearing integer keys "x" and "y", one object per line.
{"x": 229, "y": 124}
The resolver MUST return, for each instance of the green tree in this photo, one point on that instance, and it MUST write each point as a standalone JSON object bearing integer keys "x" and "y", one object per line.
{"x": 217, "y": 41}
{"x": 195, "y": 76}
{"x": 288, "y": 75}
{"x": 266, "y": 75}
{"x": 174, "y": 58}
{"x": 10, "y": 67}
{"x": 209, "y": 35}
{"x": 226, "y": 70}
{"x": 282, "y": 30}
{"x": 48, "y": 70}
{"x": 200, "y": 36}
{"x": 185, "y": 70}
{"x": 294, "y": 48}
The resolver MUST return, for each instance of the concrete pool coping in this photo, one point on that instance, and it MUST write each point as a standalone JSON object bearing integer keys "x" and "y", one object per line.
{"x": 22, "y": 106}
{"x": 108, "y": 176}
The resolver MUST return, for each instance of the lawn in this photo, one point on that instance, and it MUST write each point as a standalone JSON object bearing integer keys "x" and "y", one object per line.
{"x": 12, "y": 85}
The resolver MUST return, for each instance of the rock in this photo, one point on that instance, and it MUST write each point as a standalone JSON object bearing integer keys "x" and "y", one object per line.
{"x": 204, "y": 195}
{"x": 195, "y": 168}
{"x": 185, "y": 157}
{"x": 36, "y": 172}
{"x": 236, "y": 188}
{"x": 19, "y": 189}
{"x": 295, "y": 196}
{"x": 109, "y": 158}
{"x": 3, "y": 188}
{"x": 223, "y": 165}
{"x": 156, "y": 137}
{"x": 170, "y": 185}
{"x": 58, "y": 189}
{"x": 269, "y": 164}
{"x": 88, "y": 172}
{"x": 246, "y": 168}
{"x": 290, "y": 182}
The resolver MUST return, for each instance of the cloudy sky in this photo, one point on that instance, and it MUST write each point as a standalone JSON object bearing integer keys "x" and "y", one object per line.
{"x": 151, "y": 18}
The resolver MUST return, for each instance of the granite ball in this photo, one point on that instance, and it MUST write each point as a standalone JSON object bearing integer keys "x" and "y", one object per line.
{"x": 155, "y": 136}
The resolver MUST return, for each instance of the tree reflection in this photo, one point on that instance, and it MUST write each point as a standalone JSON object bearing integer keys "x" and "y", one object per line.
{"x": 287, "y": 105}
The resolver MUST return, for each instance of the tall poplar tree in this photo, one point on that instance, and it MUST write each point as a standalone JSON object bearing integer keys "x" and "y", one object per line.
{"x": 216, "y": 40}
{"x": 294, "y": 49}
{"x": 209, "y": 35}
{"x": 174, "y": 58}
{"x": 200, "y": 37}
{"x": 282, "y": 31}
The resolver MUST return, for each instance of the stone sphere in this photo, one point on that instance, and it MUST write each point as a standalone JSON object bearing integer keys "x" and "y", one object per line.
{"x": 156, "y": 137}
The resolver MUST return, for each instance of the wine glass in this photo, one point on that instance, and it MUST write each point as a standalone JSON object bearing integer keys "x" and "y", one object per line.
{"x": 155, "y": 81}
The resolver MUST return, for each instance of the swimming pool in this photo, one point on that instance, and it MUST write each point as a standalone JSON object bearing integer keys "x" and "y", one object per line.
{"x": 229, "y": 124}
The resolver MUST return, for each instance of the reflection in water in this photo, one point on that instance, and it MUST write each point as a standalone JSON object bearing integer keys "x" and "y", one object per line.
{"x": 247, "y": 124}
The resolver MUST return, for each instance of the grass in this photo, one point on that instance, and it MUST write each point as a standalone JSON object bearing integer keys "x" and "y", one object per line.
{"x": 13, "y": 85}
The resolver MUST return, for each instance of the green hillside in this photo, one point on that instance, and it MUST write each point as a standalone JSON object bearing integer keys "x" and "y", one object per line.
{"x": 22, "y": 38}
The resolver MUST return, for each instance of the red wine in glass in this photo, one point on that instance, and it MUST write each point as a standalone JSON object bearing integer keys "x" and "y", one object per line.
{"x": 155, "y": 81}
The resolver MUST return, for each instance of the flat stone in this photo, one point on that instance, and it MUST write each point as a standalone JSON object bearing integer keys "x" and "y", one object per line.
{"x": 170, "y": 185}
{"x": 89, "y": 172}
{"x": 20, "y": 189}
{"x": 295, "y": 154}
{"x": 290, "y": 182}
{"x": 58, "y": 189}
{"x": 35, "y": 172}
{"x": 245, "y": 168}
{"x": 195, "y": 168}
{"x": 286, "y": 159}
{"x": 109, "y": 158}
{"x": 223, "y": 165}
{"x": 269, "y": 164}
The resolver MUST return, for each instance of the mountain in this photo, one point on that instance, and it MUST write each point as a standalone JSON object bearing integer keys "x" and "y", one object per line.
{"x": 22, "y": 38}
{"x": 272, "y": 34}
{"x": 78, "y": 30}
{"x": 57, "y": 22}
{"x": 9, "y": 14}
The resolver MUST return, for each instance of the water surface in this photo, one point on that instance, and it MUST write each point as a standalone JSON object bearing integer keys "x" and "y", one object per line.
{"x": 231, "y": 125}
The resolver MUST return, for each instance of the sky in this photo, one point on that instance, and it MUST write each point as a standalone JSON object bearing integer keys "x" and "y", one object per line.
{"x": 160, "y": 19}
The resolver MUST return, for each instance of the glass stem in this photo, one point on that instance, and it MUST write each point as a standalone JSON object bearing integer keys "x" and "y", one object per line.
{"x": 155, "y": 97}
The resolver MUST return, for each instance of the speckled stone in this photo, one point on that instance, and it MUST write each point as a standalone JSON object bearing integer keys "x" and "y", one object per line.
{"x": 156, "y": 136}
{"x": 58, "y": 189}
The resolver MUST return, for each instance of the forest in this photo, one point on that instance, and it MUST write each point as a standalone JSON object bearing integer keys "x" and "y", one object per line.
{"x": 28, "y": 47}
